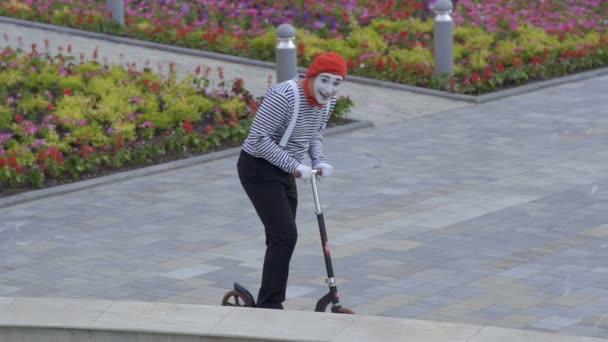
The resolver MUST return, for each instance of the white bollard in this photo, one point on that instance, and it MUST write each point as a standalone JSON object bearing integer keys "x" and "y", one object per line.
{"x": 116, "y": 11}
{"x": 444, "y": 38}
{"x": 286, "y": 53}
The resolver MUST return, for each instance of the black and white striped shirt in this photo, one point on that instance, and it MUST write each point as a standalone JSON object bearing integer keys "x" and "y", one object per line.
{"x": 271, "y": 121}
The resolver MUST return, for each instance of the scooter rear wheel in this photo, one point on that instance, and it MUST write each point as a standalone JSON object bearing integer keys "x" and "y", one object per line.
{"x": 236, "y": 298}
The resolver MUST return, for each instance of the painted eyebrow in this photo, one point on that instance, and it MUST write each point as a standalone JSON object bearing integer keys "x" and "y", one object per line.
{"x": 327, "y": 78}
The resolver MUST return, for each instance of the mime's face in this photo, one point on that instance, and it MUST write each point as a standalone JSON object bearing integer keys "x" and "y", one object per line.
{"x": 326, "y": 86}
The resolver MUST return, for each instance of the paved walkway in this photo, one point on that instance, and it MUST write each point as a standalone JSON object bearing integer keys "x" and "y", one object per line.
{"x": 494, "y": 214}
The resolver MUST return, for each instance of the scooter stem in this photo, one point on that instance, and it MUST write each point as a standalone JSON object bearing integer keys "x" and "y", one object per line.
{"x": 315, "y": 192}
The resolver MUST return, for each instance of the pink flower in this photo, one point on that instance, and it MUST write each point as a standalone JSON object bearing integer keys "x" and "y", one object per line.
{"x": 147, "y": 124}
{"x": 4, "y": 137}
{"x": 137, "y": 99}
{"x": 29, "y": 127}
{"x": 38, "y": 143}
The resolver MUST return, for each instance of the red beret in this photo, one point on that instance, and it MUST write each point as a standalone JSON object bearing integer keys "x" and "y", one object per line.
{"x": 329, "y": 62}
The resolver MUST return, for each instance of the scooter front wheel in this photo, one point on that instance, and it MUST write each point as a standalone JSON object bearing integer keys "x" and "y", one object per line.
{"x": 345, "y": 311}
{"x": 236, "y": 298}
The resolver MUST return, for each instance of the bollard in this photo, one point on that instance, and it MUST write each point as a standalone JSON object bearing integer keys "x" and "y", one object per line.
{"x": 286, "y": 53}
{"x": 116, "y": 11}
{"x": 444, "y": 38}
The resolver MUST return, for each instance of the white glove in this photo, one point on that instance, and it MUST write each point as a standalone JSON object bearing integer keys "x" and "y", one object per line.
{"x": 305, "y": 171}
{"x": 326, "y": 169}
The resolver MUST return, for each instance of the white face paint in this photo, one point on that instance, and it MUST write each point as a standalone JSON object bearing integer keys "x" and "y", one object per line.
{"x": 325, "y": 86}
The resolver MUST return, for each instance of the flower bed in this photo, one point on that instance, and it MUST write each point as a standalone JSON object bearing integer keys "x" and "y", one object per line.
{"x": 498, "y": 43}
{"x": 64, "y": 118}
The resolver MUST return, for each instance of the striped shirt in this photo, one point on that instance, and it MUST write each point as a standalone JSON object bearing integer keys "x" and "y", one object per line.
{"x": 271, "y": 121}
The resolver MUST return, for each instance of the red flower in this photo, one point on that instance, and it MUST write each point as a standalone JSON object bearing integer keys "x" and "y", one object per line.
{"x": 500, "y": 67}
{"x": 55, "y": 154}
{"x": 188, "y": 127}
{"x": 209, "y": 129}
{"x": 380, "y": 64}
{"x": 301, "y": 49}
{"x": 535, "y": 60}
{"x": 198, "y": 70}
{"x": 14, "y": 163}
{"x": 50, "y": 107}
{"x": 181, "y": 32}
{"x": 487, "y": 73}
{"x": 67, "y": 92}
{"x": 350, "y": 64}
{"x": 475, "y": 77}
{"x": 41, "y": 156}
{"x": 120, "y": 140}
{"x": 85, "y": 150}
{"x": 2, "y": 162}
{"x": 19, "y": 118}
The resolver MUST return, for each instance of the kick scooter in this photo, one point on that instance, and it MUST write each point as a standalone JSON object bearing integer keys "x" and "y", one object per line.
{"x": 240, "y": 296}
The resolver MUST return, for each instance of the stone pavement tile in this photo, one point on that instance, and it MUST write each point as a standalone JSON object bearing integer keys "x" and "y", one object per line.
{"x": 430, "y": 289}
{"x": 456, "y": 309}
{"x": 599, "y": 231}
{"x": 369, "y": 309}
{"x": 516, "y": 321}
{"x": 555, "y": 323}
{"x": 178, "y": 300}
{"x": 401, "y": 245}
{"x": 519, "y": 272}
{"x": 583, "y": 330}
{"x": 545, "y": 310}
{"x": 408, "y": 311}
{"x": 493, "y": 312}
{"x": 573, "y": 300}
{"x": 6, "y": 290}
{"x": 352, "y": 249}
{"x": 463, "y": 292}
{"x": 204, "y": 292}
{"x": 520, "y": 301}
{"x": 379, "y": 278}
{"x": 300, "y": 303}
{"x": 190, "y": 271}
{"x": 366, "y": 288}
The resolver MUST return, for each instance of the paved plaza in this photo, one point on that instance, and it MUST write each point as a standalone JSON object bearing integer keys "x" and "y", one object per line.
{"x": 493, "y": 214}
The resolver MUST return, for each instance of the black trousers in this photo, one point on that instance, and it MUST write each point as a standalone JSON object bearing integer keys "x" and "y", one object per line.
{"x": 273, "y": 193}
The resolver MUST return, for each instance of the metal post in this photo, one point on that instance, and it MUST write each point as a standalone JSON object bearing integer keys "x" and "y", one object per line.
{"x": 286, "y": 53}
{"x": 444, "y": 38}
{"x": 116, "y": 11}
